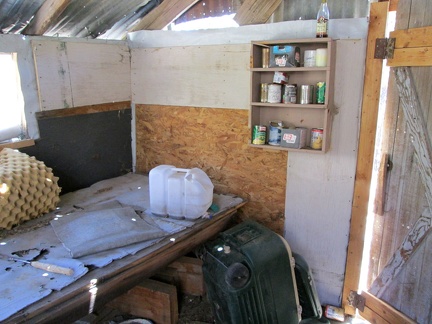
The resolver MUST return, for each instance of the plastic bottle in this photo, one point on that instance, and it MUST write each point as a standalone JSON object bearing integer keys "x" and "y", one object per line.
{"x": 179, "y": 193}
{"x": 323, "y": 17}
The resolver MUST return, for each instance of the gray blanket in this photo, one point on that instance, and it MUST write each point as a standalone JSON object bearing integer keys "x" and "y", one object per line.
{"x": 89, "y": 232}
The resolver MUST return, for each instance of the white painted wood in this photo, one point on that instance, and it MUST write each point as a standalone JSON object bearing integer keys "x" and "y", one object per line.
{"x": 73, "y": 74}
{"x": 52, "y": 73}
{"x": 320, "y": 187}
{"x": 353, "y": 28}
{"x": 214, "y": 76}
{"x": 99, "y": 73}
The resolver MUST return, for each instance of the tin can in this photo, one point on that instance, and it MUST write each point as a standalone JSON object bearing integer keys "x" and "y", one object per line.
{"x": 265, "y": 57}
{"x": 316, "y": 138}
{"x": 264, "y": 92}
{"x": 290, "y": 94}
{"x": 275, "y": 132}
{"x": 306, "y": 94}
{"x": 280, "y": 77}
{"x": 259, "y": 133}
{"x": 333, "y": 312}
{"x": 320, "y": 92}
{"x": 274, "y": 93}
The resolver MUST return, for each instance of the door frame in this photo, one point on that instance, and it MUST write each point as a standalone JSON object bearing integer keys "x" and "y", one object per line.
{"x": 410, "y": 43}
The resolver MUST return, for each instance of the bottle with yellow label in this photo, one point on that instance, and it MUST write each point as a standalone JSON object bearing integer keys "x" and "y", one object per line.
{"x": 323, "y": 17}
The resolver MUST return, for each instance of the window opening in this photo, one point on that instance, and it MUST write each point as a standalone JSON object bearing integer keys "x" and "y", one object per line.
{"x": 12, "y": 119}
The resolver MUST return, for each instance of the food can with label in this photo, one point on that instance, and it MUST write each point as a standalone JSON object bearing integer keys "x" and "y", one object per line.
{"x": 259, "y": 133}
{"x": 320, "y": 92}
{"x": 274, "y": 93}
{"x": 275, "y": 132}
{"x": 316, "y": 138}
{"x": 290, "y": 94}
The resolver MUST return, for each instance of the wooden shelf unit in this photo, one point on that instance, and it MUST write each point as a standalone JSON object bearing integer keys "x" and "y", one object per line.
{"x": 293, "y": 115}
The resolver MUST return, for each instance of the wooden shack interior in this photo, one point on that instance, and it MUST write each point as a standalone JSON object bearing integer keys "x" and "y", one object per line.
{"x": 108, "y": 103}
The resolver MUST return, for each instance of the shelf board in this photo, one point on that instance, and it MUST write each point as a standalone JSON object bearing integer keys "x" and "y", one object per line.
{"x": 280, "y": 148}
{"x": 286, "y": 105}
{"x": 290, "y": 69}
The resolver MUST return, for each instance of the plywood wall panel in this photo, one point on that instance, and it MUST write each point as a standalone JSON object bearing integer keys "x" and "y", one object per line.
{"x": 215, "y": 140}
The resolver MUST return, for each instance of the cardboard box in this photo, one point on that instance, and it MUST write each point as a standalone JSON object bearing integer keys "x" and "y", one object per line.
{"x": 284, "y": 56}
{"x": 294, "y": 137}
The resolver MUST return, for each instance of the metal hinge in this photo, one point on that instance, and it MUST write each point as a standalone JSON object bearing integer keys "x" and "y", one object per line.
{"x": 357, "y": 301}
{"x": 384, "y": 48}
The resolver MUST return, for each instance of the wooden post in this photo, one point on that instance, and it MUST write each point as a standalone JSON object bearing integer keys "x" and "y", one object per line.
{"x": 369, "y": 116}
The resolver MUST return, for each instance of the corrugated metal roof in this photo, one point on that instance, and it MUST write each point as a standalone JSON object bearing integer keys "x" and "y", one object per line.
{"x": 112, "y": 19}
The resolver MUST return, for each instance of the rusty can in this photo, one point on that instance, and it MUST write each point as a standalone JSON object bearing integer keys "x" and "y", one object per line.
{"x": 259, "y": 133}
{"x": 264, "y": 92}
{"x": 265, "y": 57}
{"x": 316, "y": 138}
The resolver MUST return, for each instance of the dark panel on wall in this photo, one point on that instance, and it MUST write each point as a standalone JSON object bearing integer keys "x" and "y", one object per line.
{"x": 84, "y": 149}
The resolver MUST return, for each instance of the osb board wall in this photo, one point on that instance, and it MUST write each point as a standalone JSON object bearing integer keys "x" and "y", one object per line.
{"x": 215, "y": 140}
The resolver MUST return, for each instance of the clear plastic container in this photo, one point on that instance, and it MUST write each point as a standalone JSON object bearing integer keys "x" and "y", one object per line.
{"x": 179, "y": 193}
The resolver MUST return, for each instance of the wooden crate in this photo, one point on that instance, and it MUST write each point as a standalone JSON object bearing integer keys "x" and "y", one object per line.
{"x": 151, "y": 299}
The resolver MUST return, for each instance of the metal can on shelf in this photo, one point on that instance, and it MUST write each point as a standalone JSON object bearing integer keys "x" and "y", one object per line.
{"x": 320, "y": 92}
{"x": 259, "y": 134}
{"x": 264, "y": 92}
{"x": 274, "y": 93}
{"x": 275, "y": 131}
{"x": 265, "y": 57}
{"x": 306, "y": 94}
{"x": 316, "y": 138}
{"x": 290, "y": 94}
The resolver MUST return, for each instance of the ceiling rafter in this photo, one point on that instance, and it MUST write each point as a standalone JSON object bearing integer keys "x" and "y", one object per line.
{"x": 164, "y": 14}
{"x": 256, "y": 11}
{"x": 45, "y": 16}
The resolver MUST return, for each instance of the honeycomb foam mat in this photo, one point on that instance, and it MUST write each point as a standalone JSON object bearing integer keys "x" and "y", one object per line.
{"x": 28, "y": 189}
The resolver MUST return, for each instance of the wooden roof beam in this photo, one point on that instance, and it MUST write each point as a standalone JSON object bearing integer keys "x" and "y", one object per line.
{"x": 164, "y": 14}
{"x": 45, "y": 16}
{"x": 256, "y": 11}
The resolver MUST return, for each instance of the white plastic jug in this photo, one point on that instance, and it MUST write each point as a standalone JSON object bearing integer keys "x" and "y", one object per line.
{"x": 179, "y": 193}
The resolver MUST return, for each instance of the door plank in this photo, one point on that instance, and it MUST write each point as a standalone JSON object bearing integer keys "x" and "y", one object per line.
{"x": 413, "y": 37}
{"x": 423, "y": 149}
{"x": 387, "y": 314}
{"x": 420, "y": 56}
{"x": 413, "y": 47}
{"x": 371, "y": 96}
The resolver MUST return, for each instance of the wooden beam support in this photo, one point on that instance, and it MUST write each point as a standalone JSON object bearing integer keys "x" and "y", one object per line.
{"x": 45, "y": 16}
{"x": 369, "y": 117}
{"x": 164, "y": 14}
{"x": 256, "y": 11}
{"x": 387, "y": 314}
{"x": 413, "y": 47}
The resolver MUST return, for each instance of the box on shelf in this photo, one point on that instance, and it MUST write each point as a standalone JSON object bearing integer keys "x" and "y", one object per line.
{"x": 294, "y": 137}
{"x": 284, "y": 56}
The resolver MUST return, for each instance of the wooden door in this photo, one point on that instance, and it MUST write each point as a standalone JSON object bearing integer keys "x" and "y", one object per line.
{"x": 400, "y": 273}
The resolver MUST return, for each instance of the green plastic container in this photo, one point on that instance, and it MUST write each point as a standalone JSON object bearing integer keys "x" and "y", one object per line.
{"x": 249, "y": 275}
